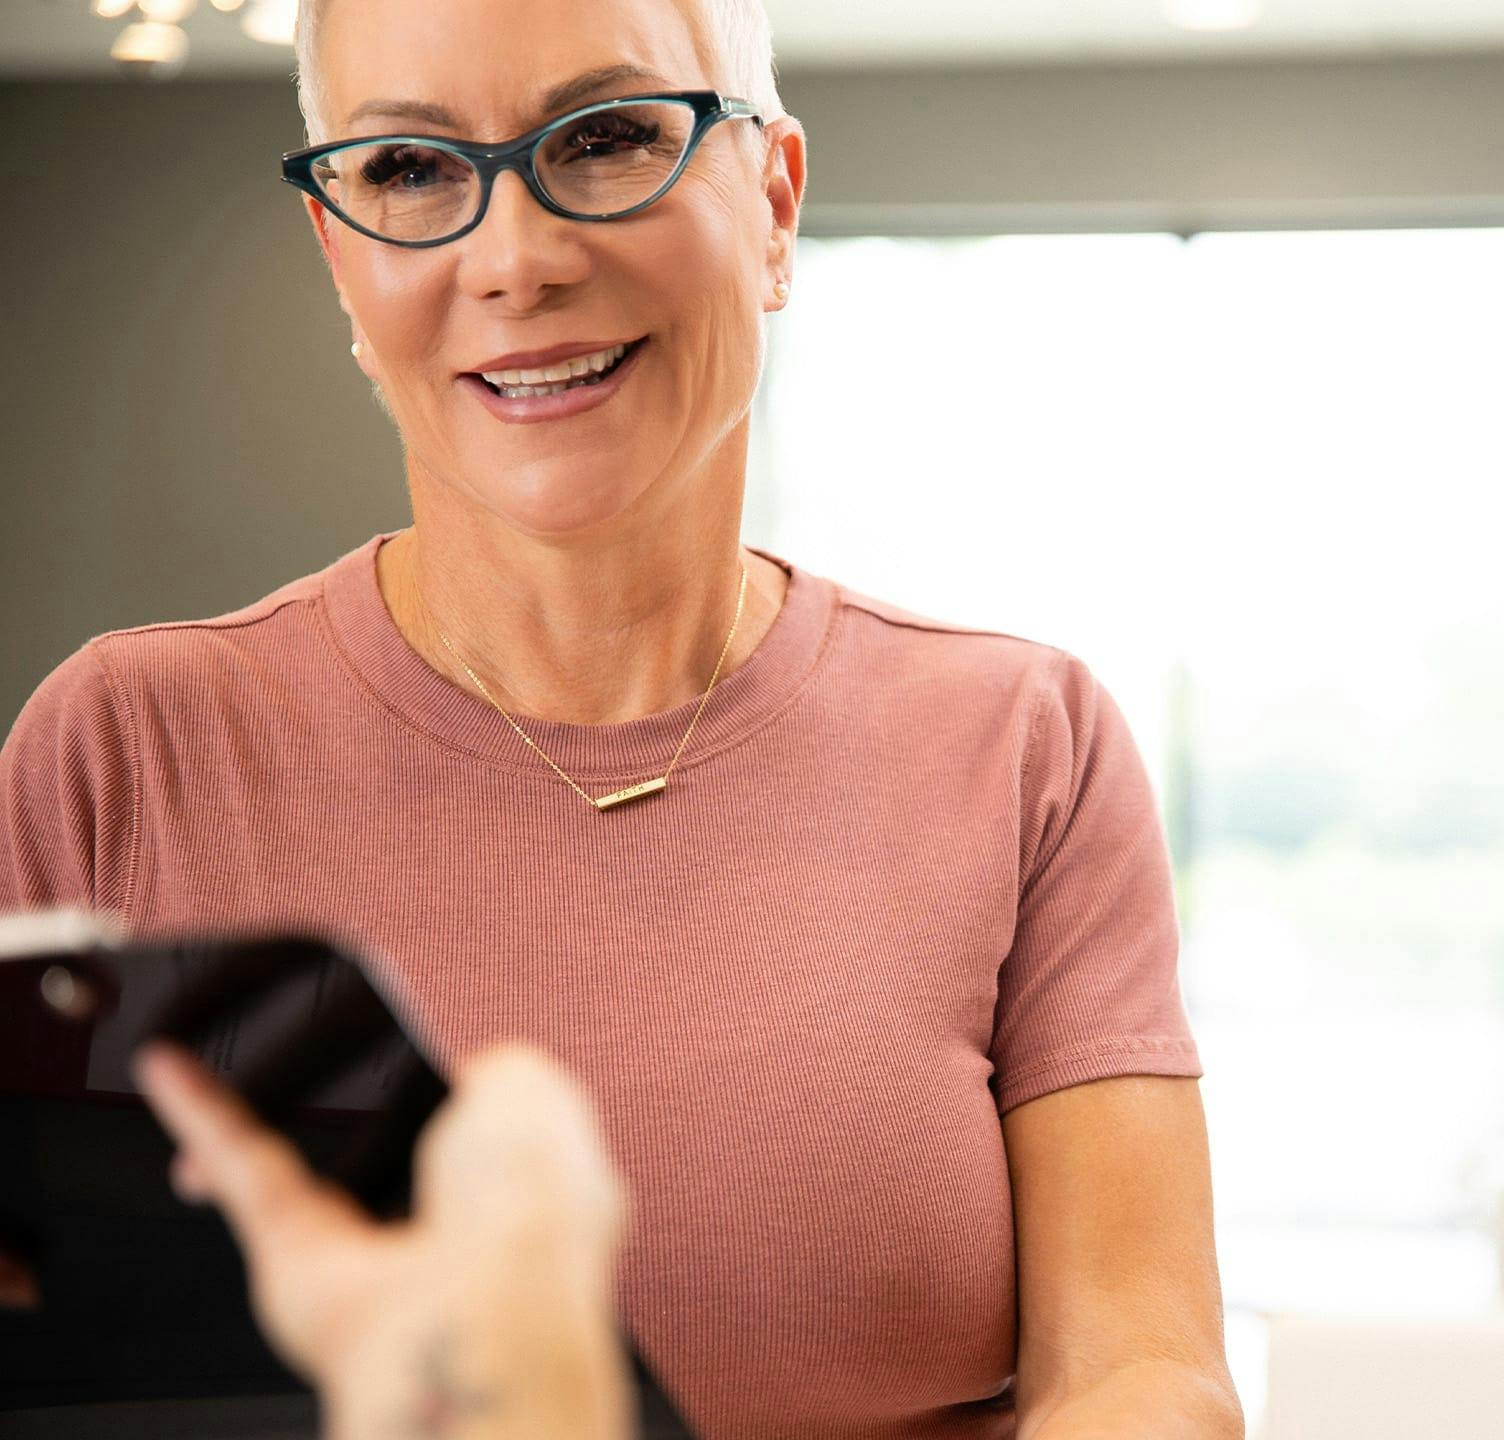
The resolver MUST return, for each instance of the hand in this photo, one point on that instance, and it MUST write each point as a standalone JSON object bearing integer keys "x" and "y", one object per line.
{"x": 488, "y": 1313}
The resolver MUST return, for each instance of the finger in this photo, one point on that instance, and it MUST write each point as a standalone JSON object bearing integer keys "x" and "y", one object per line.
{"x": 272, "y": 1201}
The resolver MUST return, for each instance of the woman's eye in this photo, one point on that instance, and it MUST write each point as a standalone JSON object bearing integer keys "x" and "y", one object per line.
{"x": 387, "y": 165}
{"x": 603, "y": 137}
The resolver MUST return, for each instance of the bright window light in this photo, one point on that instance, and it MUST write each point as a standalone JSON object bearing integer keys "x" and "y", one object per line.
{"x": 1256, "y": 482}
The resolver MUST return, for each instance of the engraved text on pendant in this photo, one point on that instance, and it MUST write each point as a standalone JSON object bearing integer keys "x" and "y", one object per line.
{"x": 632, "y": 792}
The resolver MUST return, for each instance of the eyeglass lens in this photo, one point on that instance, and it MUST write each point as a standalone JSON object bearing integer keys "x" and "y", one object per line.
{"x": 600, "y": 163}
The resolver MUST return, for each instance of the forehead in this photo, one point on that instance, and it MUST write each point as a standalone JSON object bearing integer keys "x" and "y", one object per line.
{"x": 492, "y": 64}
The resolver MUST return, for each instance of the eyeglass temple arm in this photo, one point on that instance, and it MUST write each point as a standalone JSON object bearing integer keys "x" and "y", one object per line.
{"x": 742, "y": 107}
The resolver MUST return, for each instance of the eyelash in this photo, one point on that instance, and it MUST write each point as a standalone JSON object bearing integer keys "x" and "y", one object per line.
{"x": 392, "y": 161}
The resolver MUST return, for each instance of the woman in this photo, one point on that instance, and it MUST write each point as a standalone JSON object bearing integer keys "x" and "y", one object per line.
{"x": 855, "y": 926}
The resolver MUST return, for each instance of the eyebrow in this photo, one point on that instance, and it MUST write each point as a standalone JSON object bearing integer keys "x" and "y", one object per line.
{"x": 562, "y": 97}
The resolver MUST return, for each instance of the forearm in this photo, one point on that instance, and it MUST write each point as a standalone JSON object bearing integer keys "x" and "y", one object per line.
{"x": 1162, "y": 1399}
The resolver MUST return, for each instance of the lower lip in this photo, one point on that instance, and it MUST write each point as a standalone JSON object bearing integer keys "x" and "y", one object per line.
{"x": 529, "y": 409}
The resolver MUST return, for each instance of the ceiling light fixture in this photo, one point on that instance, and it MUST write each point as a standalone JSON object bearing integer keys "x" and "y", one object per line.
{"x": 271, "y": 21}
{"x": 156, "y": 45}
{"x": 167, "y": 12}
{"x": 151, "y": 49}
{"x": 1213, "y": 14}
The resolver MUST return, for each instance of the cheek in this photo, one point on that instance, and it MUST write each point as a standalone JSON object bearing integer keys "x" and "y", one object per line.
{"x": 706, "y": 278}
{"x": 400, "y": 305}
{"x": 712, "y": 237}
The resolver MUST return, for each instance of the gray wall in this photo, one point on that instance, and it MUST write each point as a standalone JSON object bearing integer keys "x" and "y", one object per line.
{"x": 184, "y": 428}
{"x": 1156, "y": 147}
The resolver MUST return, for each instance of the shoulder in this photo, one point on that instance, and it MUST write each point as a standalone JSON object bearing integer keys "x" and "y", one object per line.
{"x": 76, "y": 698}
{"x": 122, "y": 682}
{"x": 1068, "y": 721}
{"x": 945, "y": 650}
{"x": 192, "y": 660}
{"x": 241, "y": 625}
{"x": 68, "y": 790}
{"x": 97, "y": 688}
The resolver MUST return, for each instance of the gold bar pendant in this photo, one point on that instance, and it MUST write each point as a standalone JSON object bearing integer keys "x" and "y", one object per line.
{"x": 632, "y": 792}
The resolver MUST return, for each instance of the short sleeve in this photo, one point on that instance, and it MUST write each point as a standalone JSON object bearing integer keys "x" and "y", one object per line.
{"x": 1089, "y": 988}
{"x": 69, "y": 800}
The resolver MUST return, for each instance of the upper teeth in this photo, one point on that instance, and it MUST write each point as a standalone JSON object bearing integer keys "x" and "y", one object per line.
{"x": 564, "y": 370}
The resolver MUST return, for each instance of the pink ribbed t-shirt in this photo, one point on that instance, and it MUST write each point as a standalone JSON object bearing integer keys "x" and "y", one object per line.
{"x": 906, "y": 874}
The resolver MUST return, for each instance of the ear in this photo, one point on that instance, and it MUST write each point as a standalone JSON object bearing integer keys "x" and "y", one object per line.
{"x": 328, "y": 239}
{"x": 783, "y": 179}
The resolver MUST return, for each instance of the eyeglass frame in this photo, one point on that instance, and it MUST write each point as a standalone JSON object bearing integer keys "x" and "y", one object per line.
{"x": 710, "y": 108}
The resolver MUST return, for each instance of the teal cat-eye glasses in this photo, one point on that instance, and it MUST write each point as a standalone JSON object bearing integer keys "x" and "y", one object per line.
{"x": 600, "y": 162}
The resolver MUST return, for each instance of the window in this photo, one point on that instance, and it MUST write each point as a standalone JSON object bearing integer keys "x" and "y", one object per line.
{"x": 1254, "y": 481}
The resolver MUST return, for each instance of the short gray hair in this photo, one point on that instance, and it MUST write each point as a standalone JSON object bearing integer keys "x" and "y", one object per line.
{"x": 734, "y": 38}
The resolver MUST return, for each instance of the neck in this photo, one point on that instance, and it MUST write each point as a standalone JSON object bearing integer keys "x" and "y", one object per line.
{"x": 581, "y": 638}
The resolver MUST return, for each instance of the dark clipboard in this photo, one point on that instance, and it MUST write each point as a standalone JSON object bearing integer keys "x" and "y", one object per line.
{"x": 143, "y": 1296}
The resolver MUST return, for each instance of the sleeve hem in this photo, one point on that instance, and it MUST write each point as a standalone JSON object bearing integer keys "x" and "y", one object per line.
{"x": 1100, "y": 1060}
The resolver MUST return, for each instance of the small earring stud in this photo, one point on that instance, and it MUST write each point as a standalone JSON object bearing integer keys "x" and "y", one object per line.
{"x": 781, "y": 289}
{"x": 355, "y": 349}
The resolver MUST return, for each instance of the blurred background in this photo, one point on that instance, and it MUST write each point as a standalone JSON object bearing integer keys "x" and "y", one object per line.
{"x": 1218, "y": 286}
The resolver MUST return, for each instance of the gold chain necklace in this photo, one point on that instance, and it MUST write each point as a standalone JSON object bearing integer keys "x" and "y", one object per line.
{"x": 632, "y": 792}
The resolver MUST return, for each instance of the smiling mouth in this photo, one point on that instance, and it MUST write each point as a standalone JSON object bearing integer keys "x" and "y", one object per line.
{"x": 581, "y": 382}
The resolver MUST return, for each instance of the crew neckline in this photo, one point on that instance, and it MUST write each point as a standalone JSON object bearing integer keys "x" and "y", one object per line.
{"x": 404, "y": 683}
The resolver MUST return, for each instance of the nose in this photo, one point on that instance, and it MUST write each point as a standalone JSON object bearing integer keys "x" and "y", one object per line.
{"x": 520, "y": 245}
{"x": 510, "y": 188}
